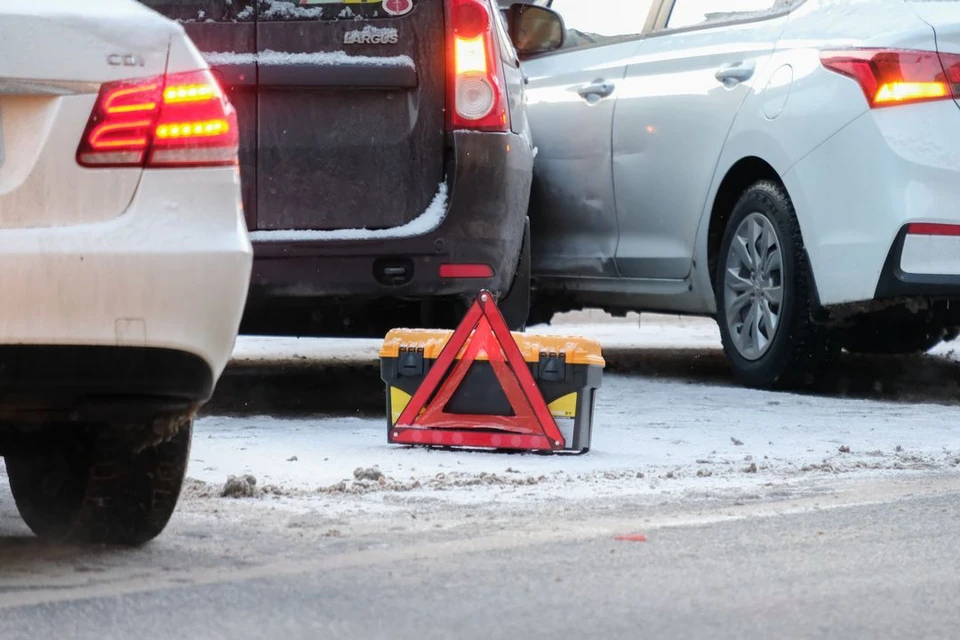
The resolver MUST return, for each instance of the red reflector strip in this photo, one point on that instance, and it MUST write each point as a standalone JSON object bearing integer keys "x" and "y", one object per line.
{"x": 933, "y": 229}
{"x": 466, "y": 271}
{"x": 444, "y": 438}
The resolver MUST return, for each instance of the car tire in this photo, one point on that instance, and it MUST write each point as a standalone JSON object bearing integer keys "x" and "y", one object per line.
{"x": 515, "y": 305}
{"x": 97, "y": 489}
{"x": 901, "y": 338}
{"x": 782, "y": 347}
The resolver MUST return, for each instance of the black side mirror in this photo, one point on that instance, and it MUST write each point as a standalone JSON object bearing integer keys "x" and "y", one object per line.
{"x": 535, "y": 29}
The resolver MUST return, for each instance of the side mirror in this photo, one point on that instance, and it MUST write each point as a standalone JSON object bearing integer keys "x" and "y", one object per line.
{"x": 535, "y": 29}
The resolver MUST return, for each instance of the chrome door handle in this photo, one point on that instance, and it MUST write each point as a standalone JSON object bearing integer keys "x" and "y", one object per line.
{"x": 596, "y": 90}
{"x": 732, "y": 74}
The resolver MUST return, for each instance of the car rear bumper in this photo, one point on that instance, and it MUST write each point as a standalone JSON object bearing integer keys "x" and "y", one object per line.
{"x": 171, "y": 273}
{"x": 489, "y": 187}
{"x": 856, "y": 194}
{"x": 921, "y": 264}
{"x": 99, "y": 383}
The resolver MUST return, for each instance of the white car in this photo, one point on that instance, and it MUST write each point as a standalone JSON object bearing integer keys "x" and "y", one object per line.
{"x": 124, "y": 261}
{"x": 790, "y": 167}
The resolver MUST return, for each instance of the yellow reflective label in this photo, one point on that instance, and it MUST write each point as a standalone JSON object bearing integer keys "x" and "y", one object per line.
{"x": 398, "y": 402}
{"x": 565, "y": 407}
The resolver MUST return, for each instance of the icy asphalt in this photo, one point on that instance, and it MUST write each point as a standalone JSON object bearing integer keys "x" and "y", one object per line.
{"x": 778, "y": 515}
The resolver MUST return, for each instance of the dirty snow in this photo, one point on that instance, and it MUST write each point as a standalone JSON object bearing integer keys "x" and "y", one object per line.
{"x": 323, "y": 58}
{"x": 656, "y": 432}
{"x": 425, "y": 222}
{"x": 289, "y": 10}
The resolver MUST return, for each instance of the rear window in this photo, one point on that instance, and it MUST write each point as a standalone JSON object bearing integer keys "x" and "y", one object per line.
{"x": 270, "y": 10}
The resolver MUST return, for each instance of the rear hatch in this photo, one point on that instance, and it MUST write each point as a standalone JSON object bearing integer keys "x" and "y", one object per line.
{"x": 944, "y": 17}
{"x": 341, "y": 105}
{"x": 54, "y": 56}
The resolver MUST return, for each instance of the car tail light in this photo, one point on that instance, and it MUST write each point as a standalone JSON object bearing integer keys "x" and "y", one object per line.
{"x": 476, "y": 96}
{"x": 892, "y": 77}
{"x": 177, "y": 120}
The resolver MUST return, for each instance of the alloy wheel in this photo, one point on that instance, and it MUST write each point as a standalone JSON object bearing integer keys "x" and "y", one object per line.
{"x": 753, "y": 286}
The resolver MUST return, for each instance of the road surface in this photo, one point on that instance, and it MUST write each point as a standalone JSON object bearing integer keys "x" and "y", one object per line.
{"x": 775, "y": 515}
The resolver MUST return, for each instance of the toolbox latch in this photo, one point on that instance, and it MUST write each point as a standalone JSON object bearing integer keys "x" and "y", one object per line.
{"x": 552, "y": 366}
{"x": 410, "y": 362}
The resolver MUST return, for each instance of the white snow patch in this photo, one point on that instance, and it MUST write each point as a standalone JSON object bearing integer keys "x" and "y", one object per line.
{"x": 425, "y": 222}
{"x": 322, "y": 58}
{"x": 654, "y": 332}
{"x": 289, "y": 10}
{"x": 650, "y": 436}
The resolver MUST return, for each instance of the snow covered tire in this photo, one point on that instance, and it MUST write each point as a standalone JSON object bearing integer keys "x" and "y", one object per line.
{"x": 796, "y": 352}
{"x": 96, "y": 489}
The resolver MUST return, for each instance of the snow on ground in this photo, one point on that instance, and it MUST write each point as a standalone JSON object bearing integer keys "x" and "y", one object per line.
{"x": 655, "y": 332}
{"x": 655, "y": 431}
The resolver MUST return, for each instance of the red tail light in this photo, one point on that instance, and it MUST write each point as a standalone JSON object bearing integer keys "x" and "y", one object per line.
{"x": 892, "y": 77}
{"x": 178, "y": 120}
{"x": 476, "y": 96}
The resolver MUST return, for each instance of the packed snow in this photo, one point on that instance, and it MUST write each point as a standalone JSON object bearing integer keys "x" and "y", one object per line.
{"x": 668, "y": 420}
{"x": 321, "y": 58}
{"x": 289, "y": 10}
{"x": 425, "y": 222}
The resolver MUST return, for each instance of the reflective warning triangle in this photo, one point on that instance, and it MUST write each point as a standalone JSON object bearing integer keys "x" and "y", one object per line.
{"x": 483, "y": 331}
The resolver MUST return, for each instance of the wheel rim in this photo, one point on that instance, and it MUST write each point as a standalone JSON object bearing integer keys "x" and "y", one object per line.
{"x": 753, "y": 286}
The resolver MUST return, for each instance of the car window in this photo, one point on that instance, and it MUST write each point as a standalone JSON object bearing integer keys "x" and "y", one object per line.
{"x": 601, "y": 21}
{"x": 204, "y": 10}
{"x": 690, "y": 13}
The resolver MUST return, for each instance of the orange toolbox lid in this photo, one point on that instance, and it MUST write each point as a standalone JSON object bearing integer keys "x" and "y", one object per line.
{"x": 577, "y": 350}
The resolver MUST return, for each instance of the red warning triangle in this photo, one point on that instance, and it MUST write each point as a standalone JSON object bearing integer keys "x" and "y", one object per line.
{"x": 482, "y": 331}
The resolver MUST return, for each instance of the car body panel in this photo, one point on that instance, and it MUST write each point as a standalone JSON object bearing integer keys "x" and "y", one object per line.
{"x": 810, "y": 126}
{"x": 342, "y": 158}
{"x": 943, "y": 17}
{"x": 918, "y": 158}
{"x": 672, "y": 119}
{"x": 573, "y": 212}
{"x": 125, "y": 266}
{"x": 350, "y": 128}
{"x": 298, "y": 284}
{"x": 46, "y": 99}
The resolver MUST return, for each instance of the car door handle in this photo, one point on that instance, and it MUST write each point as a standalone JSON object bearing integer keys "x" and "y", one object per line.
{"x": 596, "y": 90}
{"x": 732, "y": 74}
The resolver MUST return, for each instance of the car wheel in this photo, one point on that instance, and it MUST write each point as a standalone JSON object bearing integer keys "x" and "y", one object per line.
{"x": 97, "y": 489}
{"x": 515, "y": 305}
{"x": 765, "y": 294}
{"x": 904, "y": 337}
